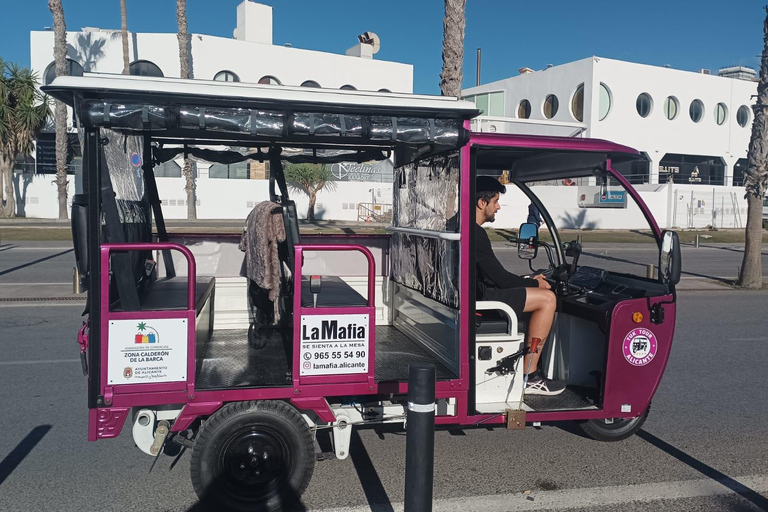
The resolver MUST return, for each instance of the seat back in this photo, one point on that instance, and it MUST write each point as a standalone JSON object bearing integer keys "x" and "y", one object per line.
{"x": 292, "y": 236}
{"x": 79, "y": 217}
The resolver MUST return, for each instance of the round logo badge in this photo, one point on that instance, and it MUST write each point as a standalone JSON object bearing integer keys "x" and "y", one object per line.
{"x": 640, "y": 347}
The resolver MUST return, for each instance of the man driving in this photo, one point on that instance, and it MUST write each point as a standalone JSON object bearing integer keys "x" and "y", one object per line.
{"x": 523, "y": 295}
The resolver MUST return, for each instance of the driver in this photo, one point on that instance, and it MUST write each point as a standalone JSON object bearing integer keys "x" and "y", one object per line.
{"x": 529, "y": 295}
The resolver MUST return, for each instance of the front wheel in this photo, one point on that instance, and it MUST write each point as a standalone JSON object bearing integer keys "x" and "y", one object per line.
{"x": 617, "y": 430}
{"x": 255, "y": 456}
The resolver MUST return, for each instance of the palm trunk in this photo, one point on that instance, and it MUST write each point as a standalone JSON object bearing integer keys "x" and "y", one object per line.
{"x": 183, "y": 38}
{"x": 124, "y": 31}
{"x": 453, "y": 47}
{"x": 188, "y": 171}
{"x": 60, "y": 56}
{"x": 61, "y": 157}
{"x": 756, "y": 180}
{"x": 6, "y": 180}
{"x": 311, "y": 209}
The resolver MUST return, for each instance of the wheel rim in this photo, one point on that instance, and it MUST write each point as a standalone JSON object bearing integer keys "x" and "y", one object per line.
{"x": 255, "y": 462}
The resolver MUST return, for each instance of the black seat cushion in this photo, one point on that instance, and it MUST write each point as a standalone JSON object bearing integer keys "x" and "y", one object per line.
{"x": 333, "y": 293}
{"x": 495, "y": 322}
{"x": 166, "y": 294}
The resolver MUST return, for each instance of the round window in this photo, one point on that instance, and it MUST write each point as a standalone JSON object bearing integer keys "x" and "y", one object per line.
{"x": 644, "y": 104}
{"x": 310, "y": 83}
{"x": 671, "y": 107}
{"x": 226, "y": 76}
{"x": 551, "y": 104}
{"x": 606, "y": 101}
{"x": 73, "y": 69}
{"x": 577, "y": 103}
{"x": 524, "y": 110}
{"x": 696, "y": 111}
{"x": 742, "y": 116}
{"x": 269, "y": 80}
{"x": 721, "y": 113}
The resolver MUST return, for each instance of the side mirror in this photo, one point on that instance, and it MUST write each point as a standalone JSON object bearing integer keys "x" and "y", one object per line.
{"x": 670, "y": 261}
{"x": 527, "y": 241}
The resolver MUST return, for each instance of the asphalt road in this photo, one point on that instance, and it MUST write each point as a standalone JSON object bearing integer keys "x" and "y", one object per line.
{"x": 703, "y": 447}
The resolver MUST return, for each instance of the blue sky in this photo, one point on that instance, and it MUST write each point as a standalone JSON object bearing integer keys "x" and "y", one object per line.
{"x": 685, "y": 34}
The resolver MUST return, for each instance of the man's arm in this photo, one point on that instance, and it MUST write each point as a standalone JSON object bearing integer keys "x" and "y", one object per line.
{"x": 492, "y": 268}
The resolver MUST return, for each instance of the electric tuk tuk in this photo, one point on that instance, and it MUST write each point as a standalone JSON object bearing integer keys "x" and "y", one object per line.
{"x": 183, "y": 344}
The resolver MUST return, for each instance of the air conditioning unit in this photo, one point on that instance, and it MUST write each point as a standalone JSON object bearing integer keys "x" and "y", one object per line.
{"x": 705, "y": 71}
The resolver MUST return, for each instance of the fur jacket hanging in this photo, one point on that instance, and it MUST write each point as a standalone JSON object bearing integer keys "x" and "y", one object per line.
{"x": 263, "y": 230}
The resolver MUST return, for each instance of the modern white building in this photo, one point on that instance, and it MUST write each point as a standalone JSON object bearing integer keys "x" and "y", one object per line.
{"x": 250, "y": 56}
{"x": 693, "y": 128}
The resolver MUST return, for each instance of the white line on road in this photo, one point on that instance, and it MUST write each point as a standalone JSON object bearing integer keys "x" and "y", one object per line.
{"x": 19, "y": 248}
{"x": 36, "y": 284}
{"x": 40, "y": 361}
{"x": 582, "y": 499}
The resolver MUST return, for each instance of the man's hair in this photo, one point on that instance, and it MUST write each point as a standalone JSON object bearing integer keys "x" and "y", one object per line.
{"x": 486, "y": 187}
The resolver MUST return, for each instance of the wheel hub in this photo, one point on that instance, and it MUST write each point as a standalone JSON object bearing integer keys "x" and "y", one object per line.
{"x": 254, "y": 458}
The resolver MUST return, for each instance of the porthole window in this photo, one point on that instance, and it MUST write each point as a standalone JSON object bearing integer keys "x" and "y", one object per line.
{"x": 671, "y": 107}
{"x": 644, "y": 104}
{"x": 73, "y": 69}
{"x": 742, "y": 116}
{"x": 721, "y": 113}
{"x": 144, "y": 68}
{"x": 310, "y": 83}
{"x": 606, "y": 101}
{"x": 226, "y": 76}
{"x": 348, "y": 88}
{"x": 551, "y": 104}
{"x": 577, "y": 103}
{"x": 696, "y": 111}
{"x": 384, "y": 90}
{"x": 524, "y": 110}
{"x": 269, "y": 80}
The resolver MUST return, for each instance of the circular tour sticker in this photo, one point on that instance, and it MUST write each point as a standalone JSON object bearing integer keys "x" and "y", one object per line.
{"x": 640, "y": 347}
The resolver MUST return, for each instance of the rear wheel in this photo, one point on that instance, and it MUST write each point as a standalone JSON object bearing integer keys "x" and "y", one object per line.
{"x": 616, "y": 429}
{"x": 255, "y": 456}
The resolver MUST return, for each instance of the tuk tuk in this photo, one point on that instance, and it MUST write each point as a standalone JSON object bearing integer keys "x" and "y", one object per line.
{"x": 182, "y": 342}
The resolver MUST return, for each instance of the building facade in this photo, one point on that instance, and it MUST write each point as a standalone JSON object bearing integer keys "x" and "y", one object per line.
{"x": 250, "y": 56}
{"x": 692, "y": 128}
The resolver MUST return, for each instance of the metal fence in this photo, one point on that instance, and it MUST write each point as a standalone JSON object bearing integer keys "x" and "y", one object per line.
{"x": 700, "y": 209}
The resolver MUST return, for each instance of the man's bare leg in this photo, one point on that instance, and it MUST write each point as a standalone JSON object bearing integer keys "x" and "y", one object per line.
{"x": 541, "y": 303}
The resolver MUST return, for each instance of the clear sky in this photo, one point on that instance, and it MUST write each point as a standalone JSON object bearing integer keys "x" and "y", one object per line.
{"x": 685, "y": 34}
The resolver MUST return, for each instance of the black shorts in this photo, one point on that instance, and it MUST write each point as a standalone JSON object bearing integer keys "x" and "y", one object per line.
{"x": 513, "y": 297}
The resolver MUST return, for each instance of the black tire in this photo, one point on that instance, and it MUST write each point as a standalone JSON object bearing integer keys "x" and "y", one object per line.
{"x": 254, "y": 456}
{"x": 620, "y": 429}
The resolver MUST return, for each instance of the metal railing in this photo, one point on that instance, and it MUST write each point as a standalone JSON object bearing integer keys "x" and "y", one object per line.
{"x": 374, "y": 212}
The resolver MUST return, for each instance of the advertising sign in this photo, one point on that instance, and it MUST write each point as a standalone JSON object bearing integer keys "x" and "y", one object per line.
{"x": 334, "y": 344}
{"x": 601, "y": 197}
{"x": 147, "y": 351}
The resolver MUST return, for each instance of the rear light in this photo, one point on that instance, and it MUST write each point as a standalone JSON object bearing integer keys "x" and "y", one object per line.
{"x": 637, "y": 317}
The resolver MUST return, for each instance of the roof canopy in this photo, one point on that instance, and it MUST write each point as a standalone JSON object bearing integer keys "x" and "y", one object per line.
{"x": 201, "y": 111}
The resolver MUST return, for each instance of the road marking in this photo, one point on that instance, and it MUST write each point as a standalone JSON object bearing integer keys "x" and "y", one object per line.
{"x": 41, "y": 361}
{"x": 40, "y": 303}
{"x": 17, "y": 248}
{"x": 582, "y": 499}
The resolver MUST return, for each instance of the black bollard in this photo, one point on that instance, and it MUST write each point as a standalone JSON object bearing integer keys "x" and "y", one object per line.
{"x": 420, "y": 438}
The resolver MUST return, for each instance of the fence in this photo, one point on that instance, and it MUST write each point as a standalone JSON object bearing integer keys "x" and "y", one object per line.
{"x": 374, "y": 212}
{"x": 699, "y": 209}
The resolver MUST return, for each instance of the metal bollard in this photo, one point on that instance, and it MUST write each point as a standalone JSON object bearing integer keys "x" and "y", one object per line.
{"x": 578, "y": 239}
{"x": 420, "y": 438}
{"x": 77, "y": 287}
{"x": 696, "y": 242}
{"x": 650, "y": 271}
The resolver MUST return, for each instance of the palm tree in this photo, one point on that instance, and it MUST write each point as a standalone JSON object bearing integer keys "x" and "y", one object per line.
{"x": 756, "y": 179}
{"x": 23, "y": 112}
{"x": 60, "y": 57}
{"x": 310, "y": 179}
{"x": 453, "y": 47}
{"x": 124, "y": 32}
{"x": 184, "y": 50}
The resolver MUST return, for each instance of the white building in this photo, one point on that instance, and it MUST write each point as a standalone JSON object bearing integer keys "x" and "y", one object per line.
{"x": 692, "y": 127}
{"x": 250, "y": 56}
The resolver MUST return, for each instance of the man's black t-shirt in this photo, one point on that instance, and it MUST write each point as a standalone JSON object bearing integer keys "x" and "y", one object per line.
{"x": 490, "y": 272}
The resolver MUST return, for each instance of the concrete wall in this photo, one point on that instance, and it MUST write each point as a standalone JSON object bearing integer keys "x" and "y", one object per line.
{"x": 672, "y": 205}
